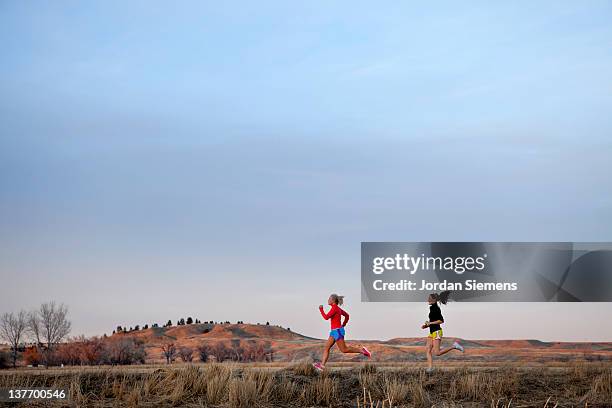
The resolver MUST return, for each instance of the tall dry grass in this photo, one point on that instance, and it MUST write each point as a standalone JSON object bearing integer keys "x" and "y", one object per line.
{"x": 298, "y": 385}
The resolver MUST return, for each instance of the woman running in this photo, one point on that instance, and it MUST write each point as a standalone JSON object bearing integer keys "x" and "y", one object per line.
{"x": 434, "y": 339}
{"x": 336, "y": 335}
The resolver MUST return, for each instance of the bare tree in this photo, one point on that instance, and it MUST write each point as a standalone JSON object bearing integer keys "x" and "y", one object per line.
{"x": 33, "y": 326}
{"x": 204, "y": 351}
{"x": 48, "y": 325}
{"x": 123, "y": 350}
{"x": 53, "y": 323}
{"x": 169, "y": 351}
{"x": 220, "y": 352}
{"x": 186, "y": 354}
{"x": 12, "y": 329}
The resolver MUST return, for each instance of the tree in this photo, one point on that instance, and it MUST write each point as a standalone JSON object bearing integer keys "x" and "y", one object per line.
{"x": 169, "y": 351}
{"x": 204, "y": 352}
{"x": 123, "y": 350}
{"x": 189, "y": 320}
{"x": 33, "y": 327}
{"x": 237, "y": 350}
{"x": 220, "y": 352}
{"x": 49, "y": 325}
{"x": 92, "y": 350}
{"x": 169, "y": 324}
{"x": 186, "y": 354}
{"x": 54, "y": 323}
{"x": 12, "y": 329}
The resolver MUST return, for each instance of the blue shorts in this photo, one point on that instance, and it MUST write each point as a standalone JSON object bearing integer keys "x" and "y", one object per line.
{"x": 337, "y": 334}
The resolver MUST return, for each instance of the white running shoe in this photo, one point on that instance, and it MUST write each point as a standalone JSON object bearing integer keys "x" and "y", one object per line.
{"x": 429, "y": 370}
{"x": 318, "y": 366}
{"x": 366, "y": 352}
{"x": 458, "y": 346}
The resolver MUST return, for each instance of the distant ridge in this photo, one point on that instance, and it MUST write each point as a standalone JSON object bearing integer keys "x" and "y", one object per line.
{"x": 291, "y": 346}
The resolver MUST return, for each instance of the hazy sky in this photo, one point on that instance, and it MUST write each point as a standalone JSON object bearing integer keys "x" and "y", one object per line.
{"x": 225, "y": 159}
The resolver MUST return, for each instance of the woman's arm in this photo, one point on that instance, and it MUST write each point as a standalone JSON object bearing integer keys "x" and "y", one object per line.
{"x": 346, "y": 318}
{"x": 435, "y": 322}
{"x": 329, "y": 315}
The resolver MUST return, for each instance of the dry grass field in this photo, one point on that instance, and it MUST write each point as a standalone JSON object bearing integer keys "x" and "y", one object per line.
{"x": 491, "y": 373}
{"x": 343, "y": 385}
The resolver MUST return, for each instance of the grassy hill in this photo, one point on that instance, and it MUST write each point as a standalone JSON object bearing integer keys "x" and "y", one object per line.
{"x": 290, "y": 346}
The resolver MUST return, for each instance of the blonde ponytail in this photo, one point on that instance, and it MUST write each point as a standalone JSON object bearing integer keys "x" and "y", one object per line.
{"x": 337, "y": 298}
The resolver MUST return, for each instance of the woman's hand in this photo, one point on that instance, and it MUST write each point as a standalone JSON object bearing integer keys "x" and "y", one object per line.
{"x": 320, "y": 306}
{"x": 424, "y": 326}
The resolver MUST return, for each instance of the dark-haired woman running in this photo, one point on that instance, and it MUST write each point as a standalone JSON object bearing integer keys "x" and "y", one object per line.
{"x": 432, "y": 347}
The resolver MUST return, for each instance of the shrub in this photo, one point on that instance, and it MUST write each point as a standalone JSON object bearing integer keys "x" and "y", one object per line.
{"x": 169, "y": 351}
{"x": 185, "y": 354}
{"x": 204, "y": 352}
{"x": 4, "y": 359}
{"x": 32, "y": 356}
{"x": 124, "y": 350}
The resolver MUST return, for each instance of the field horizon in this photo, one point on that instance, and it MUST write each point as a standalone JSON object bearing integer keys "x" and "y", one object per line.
{"x": 285, "y": 345}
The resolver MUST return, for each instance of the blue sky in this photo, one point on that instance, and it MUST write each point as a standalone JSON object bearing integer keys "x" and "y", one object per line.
{"x": 226, "y": 160}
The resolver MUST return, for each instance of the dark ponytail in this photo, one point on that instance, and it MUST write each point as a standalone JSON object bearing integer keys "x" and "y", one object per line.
{"x": 441, "y": 297}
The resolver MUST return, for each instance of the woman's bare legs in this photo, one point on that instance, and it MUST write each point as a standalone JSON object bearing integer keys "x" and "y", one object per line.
{"x": 346, "y": 349}
{"x": 328, "y": 345}
{"x": 436, "y": 348}
{"x": 428, "y": 350}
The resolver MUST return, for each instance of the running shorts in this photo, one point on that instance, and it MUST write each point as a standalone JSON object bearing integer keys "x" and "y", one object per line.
{"x": 337, "y": 334}
{"x": 436, "y": 335}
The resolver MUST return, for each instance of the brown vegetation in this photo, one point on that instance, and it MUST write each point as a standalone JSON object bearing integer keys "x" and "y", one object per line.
{"x": 299, "y": 385}
{"x": 94, "y": 351}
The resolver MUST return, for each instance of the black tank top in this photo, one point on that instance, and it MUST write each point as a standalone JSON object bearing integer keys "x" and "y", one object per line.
{"x": 434, "y": 314}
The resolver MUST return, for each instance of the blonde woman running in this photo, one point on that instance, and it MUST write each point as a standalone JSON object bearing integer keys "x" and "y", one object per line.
{"x": 337, "y": 333}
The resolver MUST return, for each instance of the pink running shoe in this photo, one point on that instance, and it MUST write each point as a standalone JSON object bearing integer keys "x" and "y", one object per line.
{"x": 318, "y": 366}
{"x": 366, "y": 352}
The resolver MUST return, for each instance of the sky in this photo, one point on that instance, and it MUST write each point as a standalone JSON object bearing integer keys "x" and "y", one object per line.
{"x": 224, "y": 160}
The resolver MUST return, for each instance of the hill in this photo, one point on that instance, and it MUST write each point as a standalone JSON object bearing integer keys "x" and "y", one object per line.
{"x": 280, "y": 344}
